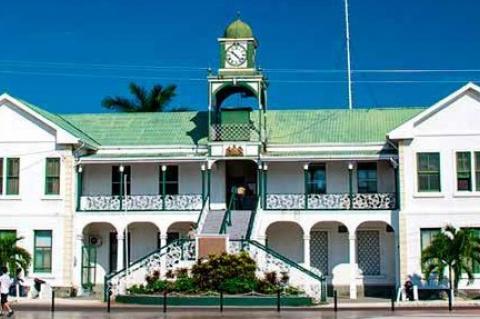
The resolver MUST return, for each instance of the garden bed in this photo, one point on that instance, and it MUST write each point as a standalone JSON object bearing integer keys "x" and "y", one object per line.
{"x": 214, "y": 301}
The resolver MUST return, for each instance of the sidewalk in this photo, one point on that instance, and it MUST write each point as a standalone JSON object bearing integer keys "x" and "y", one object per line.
{"x": 72, "y": 304}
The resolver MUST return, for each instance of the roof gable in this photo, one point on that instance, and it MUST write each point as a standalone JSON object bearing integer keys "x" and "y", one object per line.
{"x": 444, "y": 116}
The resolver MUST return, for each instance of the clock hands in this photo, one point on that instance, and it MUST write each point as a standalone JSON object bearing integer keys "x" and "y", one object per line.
{"x": 233, "y": 52}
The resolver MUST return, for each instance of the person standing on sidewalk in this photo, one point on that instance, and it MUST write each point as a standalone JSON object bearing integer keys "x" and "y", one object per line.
{"x": 5, "y": 283}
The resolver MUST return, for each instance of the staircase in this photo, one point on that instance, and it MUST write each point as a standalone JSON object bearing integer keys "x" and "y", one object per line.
{"x": 213, "y": 222}
{"x": 237, "y": 228}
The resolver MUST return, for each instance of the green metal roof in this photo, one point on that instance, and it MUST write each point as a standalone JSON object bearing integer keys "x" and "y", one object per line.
{"x": 166, "y": 128}
{"x": 333, "y": 154}
{"x": 238, "y": 30}
{"x": 335, "y": 126}
{"x": 321, "y": 126}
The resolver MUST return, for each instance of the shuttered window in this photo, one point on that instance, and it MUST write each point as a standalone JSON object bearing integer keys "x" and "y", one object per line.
{"x": 464, "y": 171}
{"x": 428, "y": 172}
{"x": 52, "y": 176}
{"x": 13, "y": 176}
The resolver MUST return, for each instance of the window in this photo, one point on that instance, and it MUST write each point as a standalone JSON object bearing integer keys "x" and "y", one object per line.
{"x": 427, "y": 235}
{"x": 171, "y": 180}
{"x": 117, "y": 180}
{"x": 477, "y": 171}
{"x": 367, "y": 177}
{"x": 1, "y": 176}
{"x": 42, "y": 258}
{"x": 13, "y": 176}
{"x": 7, "y": 232}
{"x": 464, "y": 171}
{"x": 428, "y": 170}
{"x": 317, "y": 179}
{"x": 52, "y": 176}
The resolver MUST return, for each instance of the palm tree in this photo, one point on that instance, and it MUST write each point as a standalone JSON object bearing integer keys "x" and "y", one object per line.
{"x": 455, "y": 250}
{"x": 12, "y": 256}
{"x": 155, "y": 100}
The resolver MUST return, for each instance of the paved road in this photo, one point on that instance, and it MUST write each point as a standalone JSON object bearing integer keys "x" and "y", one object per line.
{"x": 248, "y": 315}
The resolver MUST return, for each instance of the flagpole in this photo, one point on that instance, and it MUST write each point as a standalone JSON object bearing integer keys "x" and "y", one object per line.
{"x": 349, "y": 73}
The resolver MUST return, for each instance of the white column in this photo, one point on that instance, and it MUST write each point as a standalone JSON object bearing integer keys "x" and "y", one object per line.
{"x": 396, "y": 251}
{"x": 163, "y": 260}
{"x": 120, "y": 250}
{"x": 77, "y": 262}
{"x": 163, "y": 239}
{"x": 352, "y": 238}
{"x": 306, "y": 251}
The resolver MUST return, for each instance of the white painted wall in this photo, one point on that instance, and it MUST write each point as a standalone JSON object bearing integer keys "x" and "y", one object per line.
{"x": 453, "y": 128}
{"x": 26, "y": 137}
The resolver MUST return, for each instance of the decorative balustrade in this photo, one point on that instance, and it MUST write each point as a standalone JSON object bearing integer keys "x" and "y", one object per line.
{"x": 231, "y": 132}
{"x": 178, "y": 254}
{"x": 372, "y": 201}
{"x": 141, "y": 202}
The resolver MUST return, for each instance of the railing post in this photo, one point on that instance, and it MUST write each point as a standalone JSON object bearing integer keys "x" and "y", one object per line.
{"x": 79, "y": 187}
{"x": 209, "y": 179}
{"x": 165, "y": 301}
{"x": 397, "y": 189}
{"x": 335, "y": 301}
{"x": 278, "y": 300}
{"x": 305, "y": 182}
{"x": 164, "y": 186}
{"x": 350, "y": 184}
{"x": 259, "y": 185}
{"x": 265, "y": 171}
{"x": 121, "y": 169}
{"x": 392, "y": 299}
{"x": 221, "y": 300}
{"x": 203, "y": 183}
{"x": 53, "y": 301}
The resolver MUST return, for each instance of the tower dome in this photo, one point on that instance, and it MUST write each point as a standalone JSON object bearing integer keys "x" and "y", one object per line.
{"x": 238, "y": 30}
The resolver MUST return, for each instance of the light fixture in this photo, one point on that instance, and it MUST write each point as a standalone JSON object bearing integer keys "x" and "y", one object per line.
{"x": 164, "y": 168}
{"x": 265, "y": 166}
{"x": 203, "y": 167}
{"x": 121, "y": 168}
{"x": 350, "y": 166}
{"x": 305, "y": 167}
{"x": 80, "y": 168}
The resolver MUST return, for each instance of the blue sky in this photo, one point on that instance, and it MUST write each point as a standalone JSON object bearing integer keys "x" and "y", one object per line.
{"x": 67, "y": 55}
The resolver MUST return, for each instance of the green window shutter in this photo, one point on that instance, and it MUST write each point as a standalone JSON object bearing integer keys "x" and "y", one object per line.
{"x": 52, "y": 176}
{"x": 367, "y": 177}
{"x": 13, "y": 176}
{"x": 42, "y": 253}
{"x": 464, "y": 171}
{"x": 476, "y": 265}
{"x": 477, "y": 171}
{"x": 1, "y": 176}
{"x": 428, "y": 172}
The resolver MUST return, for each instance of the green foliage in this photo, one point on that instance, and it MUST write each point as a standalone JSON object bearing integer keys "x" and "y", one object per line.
{"x": 12, "y": 256}
{"x": 155, "y": 100}
{"x": 238, "y": 286}
{"x": 185, "y": 284}
{"x": 210, "y": 273}
{"x": 454, "y": 250}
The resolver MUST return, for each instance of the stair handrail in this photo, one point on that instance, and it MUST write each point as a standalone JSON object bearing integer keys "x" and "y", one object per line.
{"x": 286, "y": 260}
{"x": 251, "y": 222}
{"x": 203, "y": 214}
{"x": 227, "y": 218}
{"x": 133, "y": 265}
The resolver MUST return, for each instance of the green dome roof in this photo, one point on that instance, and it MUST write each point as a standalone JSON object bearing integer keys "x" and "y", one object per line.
{"x": 238, "y": 29}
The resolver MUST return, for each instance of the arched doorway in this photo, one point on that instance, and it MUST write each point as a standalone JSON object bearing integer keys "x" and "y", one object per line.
{"x": 286, "y": 238}
{"x": 376, "y": 258}
{"x": 98, "y": 253}
{"x": 143, "y": 238}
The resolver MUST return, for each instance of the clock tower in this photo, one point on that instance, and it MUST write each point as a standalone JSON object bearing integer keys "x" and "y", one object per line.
{"x": 237, "y": 75}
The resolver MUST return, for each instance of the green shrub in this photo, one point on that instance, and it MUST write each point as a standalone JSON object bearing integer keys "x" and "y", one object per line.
{"x": 185, "y": 284}
{"x": 210, "y": 273}
{"x": 238, "y": 286}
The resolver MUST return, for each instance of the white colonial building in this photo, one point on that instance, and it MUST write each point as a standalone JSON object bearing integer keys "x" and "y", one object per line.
{"x": 349, "y": 196}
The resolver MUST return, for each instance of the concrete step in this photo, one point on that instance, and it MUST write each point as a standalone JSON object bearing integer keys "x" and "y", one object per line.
{"x": 240, "y": 222}
{"x": 213, "y": 222}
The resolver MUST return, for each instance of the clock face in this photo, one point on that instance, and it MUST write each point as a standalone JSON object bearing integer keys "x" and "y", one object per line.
{"x": 236, "y": 54}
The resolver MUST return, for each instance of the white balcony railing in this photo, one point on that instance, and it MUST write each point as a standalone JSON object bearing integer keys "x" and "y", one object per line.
{"x": 373, "y": 201}
{"x": 141, "y": 202}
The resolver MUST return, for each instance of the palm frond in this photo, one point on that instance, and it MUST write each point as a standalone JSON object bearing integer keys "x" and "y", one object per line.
{"x": 119, "y": 104}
